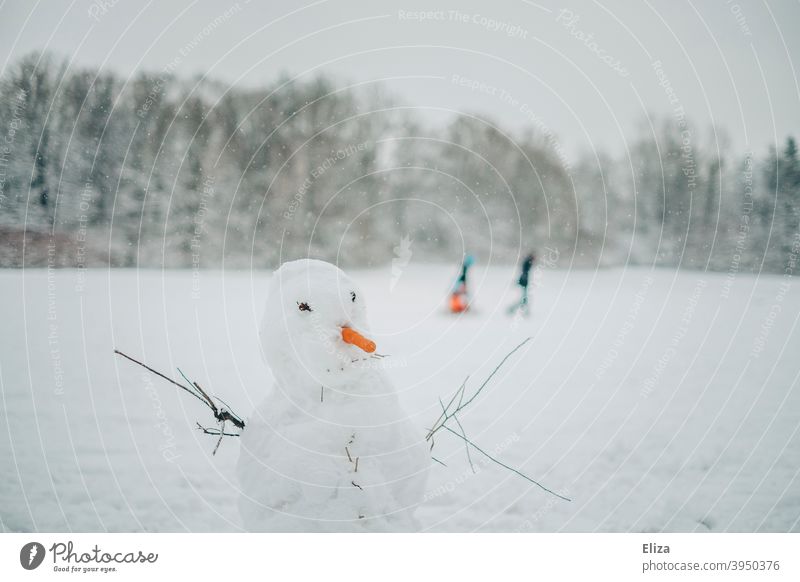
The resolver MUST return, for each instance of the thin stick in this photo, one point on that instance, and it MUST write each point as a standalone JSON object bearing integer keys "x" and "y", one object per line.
{"x": 449, "y": 412}
{"x": 463, "y": 389}
{"x": 464, "y": 434}
{"x": 221, "y": 435}
{"x": 207, "y": 400}
{"x": 221, "y": 415}
{"x": 157, "y": 373}
{"x": 497, "y": 369}
{"x": 446, "y": 408}
{"x": 239, "y": 418}
{"x": 215, "y": 431}
{"x": 512, "y": 469}
{"x": 446, "y": 415}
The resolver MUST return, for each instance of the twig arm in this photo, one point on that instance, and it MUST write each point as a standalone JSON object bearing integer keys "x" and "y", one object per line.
{"x": 512, "y": 469}
{"x": 450, "y": 412}
{"x": 220, "y": 414}
{"x": 215, "y": 431}
{"x": 159, "y": 374}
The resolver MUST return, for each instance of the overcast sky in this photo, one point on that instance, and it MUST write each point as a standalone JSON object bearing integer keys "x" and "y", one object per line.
{"x": 587, "y": 71}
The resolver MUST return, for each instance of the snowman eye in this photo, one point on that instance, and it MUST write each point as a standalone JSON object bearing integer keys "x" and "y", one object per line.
{"x": 353, "y": 296}
{"x": 304, "y": 306}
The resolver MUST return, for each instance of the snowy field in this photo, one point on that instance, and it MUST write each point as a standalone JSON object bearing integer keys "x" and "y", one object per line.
{"x": 656, "y": 400}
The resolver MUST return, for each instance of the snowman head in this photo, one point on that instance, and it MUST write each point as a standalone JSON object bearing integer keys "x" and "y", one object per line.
{"x": 314, "y": 327}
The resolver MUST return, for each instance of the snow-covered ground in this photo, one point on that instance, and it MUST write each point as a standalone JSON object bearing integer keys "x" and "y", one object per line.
{"x": 656, "y": 400}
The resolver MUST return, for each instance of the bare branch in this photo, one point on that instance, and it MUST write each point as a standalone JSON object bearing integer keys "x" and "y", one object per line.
{"x": 221, "y": 415}
{"x": 443, "y": 416}
{"x": 438, "y": 461}
{"x": 497, "y": 369}
{"x": 215, "y": 431}
{"x": 466, "y": 444}
{"x": 157, "y": 373}
{"x": 239, "y": 418}
{"x": 221, "y": 436}
{"x": 204, "y": 397}
{"x": 512, "y": 469}
{"x": 447, "y": 415}
{"x": 454, "y": 407}
{"x": 464, "y": 434}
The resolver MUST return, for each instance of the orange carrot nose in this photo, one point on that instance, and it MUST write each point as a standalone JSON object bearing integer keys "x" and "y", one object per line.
{"x": 351, "y": 336}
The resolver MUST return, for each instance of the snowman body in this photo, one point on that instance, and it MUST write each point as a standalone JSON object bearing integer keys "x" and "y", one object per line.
{"x": 330, "y": 448}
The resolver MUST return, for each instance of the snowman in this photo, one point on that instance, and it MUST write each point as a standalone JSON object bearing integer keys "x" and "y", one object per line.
{"x": 330, "y": 448}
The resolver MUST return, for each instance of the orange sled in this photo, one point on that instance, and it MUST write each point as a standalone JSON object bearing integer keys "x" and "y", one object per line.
{"x": 458, "y": 303}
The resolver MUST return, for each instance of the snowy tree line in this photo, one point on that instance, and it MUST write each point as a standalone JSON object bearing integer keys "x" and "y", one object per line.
{"x": 155, "y": 171}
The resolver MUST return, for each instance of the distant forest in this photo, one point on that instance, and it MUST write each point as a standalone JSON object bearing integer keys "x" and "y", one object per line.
{"x": 157, "y": 171}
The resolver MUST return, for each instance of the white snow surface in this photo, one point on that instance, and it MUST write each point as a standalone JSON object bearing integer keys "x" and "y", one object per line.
{"x": 655, "y": 400}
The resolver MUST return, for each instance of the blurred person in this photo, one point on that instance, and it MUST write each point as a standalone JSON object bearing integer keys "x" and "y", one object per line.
{"x": 524, "y": 279}
{"x": 459, "y": 296}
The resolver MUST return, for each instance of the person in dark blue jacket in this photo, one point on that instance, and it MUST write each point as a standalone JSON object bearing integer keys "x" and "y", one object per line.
{"x": 523, "y": 281}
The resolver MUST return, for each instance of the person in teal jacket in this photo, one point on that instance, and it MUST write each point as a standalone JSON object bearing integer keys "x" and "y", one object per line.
{"x": 459, "y": 297}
